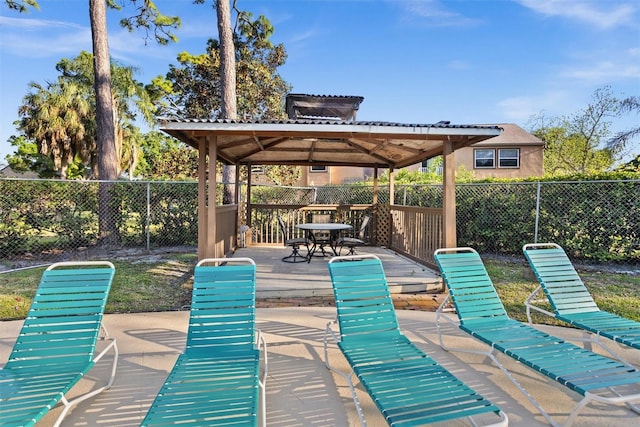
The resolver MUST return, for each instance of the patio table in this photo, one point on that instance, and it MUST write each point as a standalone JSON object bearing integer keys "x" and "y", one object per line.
{"x": 332, "y": 227}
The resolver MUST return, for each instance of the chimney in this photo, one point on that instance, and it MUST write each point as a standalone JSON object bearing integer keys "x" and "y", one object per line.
{"x": 301, "y": 106}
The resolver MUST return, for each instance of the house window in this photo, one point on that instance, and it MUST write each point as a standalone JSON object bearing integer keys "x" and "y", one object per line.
{"x": 484, "y": 158}
{"x": 509, "y": 158}
{"x": 318, "y": 168}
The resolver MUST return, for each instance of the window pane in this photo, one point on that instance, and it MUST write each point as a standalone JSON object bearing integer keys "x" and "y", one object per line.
{"x": 318, "y": 168}
{"x": 509, "y": 158}
{"x": 484, "y": 158}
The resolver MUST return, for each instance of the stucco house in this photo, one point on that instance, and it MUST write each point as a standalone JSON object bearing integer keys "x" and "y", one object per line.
{"x": 515, "y": 153}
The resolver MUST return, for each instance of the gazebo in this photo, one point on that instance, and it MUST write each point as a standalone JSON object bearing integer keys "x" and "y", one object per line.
{"x": 315, "y": 142}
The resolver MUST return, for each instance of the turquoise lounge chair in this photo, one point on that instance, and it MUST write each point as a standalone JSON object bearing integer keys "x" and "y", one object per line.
{"x": 57, "y": 342}
{"x": 482, "y": 315}
{"x": 408, "y": 387}
{"x": 571, "y": 301}
{"x": 216, "y": 380}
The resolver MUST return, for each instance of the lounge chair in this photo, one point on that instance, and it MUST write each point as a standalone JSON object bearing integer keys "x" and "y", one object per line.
{"x": 57, "y": 343}
{"x": 408, "y": 387}
{"x": 482, "y": 315}
{"x": 571, "y": 301}
{"x": 216, "y": 380}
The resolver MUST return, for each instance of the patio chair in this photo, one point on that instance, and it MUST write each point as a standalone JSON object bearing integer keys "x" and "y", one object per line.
{"x": 216, "y": 380}
{"x": 482, "y": 315}
{"x": 353, "y": 242}
{"x": 320, "y": 238}
{"x": 57, "y": 343}
{"x": 408, "y": 387}
{"x": 294, "y": 243}
{"x": 571, "y": 301}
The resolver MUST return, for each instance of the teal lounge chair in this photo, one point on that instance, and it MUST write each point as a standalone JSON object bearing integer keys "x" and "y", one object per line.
{"x": 571, "y": 301}
{"x": 57, "y": 342}
{"x": 216, "y": 380}
{"x": 408, "y": 387}
{"x": 482, "y": 315}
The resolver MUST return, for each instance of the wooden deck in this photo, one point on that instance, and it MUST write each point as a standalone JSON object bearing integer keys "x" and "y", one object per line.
{"x": 276, "y": 278}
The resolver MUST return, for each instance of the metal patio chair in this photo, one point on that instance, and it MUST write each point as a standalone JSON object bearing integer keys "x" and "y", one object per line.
{"x": 294, "y": 243}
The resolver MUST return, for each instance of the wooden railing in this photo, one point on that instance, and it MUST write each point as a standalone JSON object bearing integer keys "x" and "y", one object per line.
{"x": 265, "y": 230}
{"x": 226, "y": 228}
{"x": 411, "y": 231}
{"x": 416, "y": 232}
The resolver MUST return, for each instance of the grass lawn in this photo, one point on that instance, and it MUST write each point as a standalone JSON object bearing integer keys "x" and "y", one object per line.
{"x": 160, "y": 284}
{"x": 164, "y": 283}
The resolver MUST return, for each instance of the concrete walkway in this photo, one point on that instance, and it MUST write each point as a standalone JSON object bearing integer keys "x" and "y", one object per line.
{"x": 300, "y": 390}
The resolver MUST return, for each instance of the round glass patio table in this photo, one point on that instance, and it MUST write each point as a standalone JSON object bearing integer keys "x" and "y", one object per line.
{"x": 332, "y": 227}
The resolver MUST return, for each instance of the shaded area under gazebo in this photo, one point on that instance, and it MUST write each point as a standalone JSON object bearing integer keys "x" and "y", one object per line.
{"x": 322, "y": 142}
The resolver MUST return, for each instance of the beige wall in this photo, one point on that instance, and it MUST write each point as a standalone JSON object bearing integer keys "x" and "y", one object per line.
{"x": 530, "y": 166}
{"x": 334, "y": 175}
{"x": 530, "y": 162}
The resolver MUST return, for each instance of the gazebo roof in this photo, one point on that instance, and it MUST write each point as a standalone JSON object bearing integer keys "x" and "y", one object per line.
{"x": 326, "y": 142}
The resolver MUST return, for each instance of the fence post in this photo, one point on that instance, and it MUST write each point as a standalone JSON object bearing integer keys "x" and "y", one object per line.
{"x": 148, "y": 225}
{"x": 535, "y": 234}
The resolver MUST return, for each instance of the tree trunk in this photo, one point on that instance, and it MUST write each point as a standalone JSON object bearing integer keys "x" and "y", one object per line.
{"x": 228, "y": 85}
{"x": 105, "y": 128}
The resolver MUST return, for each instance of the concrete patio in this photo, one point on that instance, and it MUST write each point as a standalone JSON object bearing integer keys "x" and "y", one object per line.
{"x": 300, "y": 390}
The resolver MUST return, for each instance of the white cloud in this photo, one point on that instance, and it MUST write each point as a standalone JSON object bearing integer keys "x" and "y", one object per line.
{"x": 35, "y": 38}
{"x": 26, "y": 24}
{"x": 435, "y": 13}
{"x": 458, "y": 64}
{"x": 600, "y": 14}
{"x": 301, "y": 37}
{"x": 604, "y": 72}
{"x": 520, "y": 109}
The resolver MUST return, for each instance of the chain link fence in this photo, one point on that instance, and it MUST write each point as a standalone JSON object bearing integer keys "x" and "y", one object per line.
{"x": 325, "y": 195}
{"x": 592, "y": 220}
{"x": 47, "y": 220}
{"x": 44, "y": 220}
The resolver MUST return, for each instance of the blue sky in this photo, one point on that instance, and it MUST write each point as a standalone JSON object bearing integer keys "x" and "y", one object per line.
{"x": 413, "y": 61}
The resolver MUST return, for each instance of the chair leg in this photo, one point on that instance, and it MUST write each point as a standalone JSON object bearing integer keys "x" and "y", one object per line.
{"x": 295, "y": 256}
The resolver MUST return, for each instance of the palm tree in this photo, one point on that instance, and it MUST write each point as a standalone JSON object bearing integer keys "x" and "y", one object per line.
{"x": 56, "y": 118}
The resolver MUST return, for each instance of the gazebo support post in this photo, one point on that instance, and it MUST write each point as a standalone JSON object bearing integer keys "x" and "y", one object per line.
{"x": 202, "y": 201}
{"x": 248, "y": 201}
{"x": 376, "y": 208}
{"x": 211, "y": 205}
{"x": 392, "y": 201}
{"x": 449, "y": 195}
